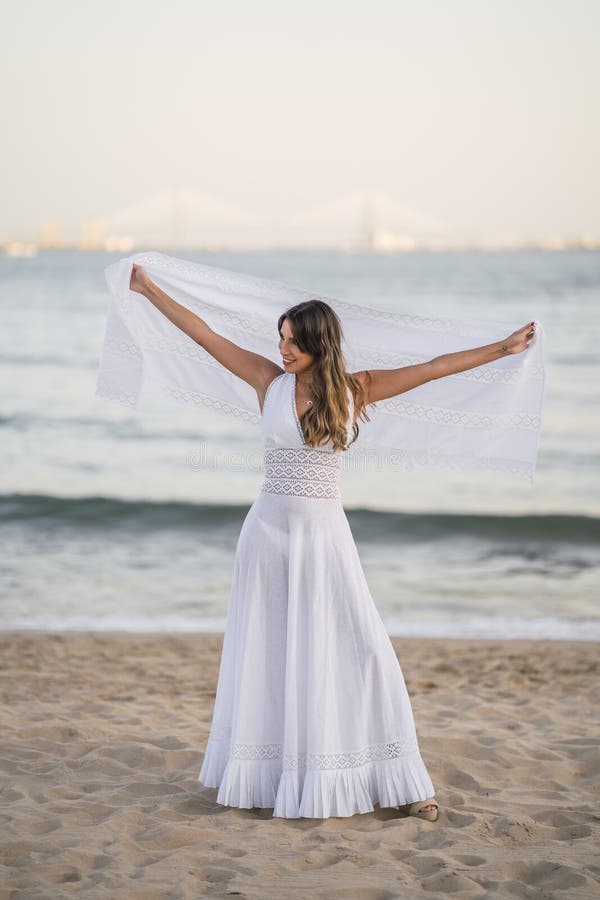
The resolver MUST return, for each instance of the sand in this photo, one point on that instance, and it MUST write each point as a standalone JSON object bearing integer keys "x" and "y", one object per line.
{"x": 102, "y": 742}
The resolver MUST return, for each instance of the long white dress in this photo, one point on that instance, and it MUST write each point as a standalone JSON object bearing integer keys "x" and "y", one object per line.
{"x": 312, "y": 716}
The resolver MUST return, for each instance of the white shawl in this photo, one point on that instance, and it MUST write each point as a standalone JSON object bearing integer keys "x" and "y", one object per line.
{"x": 487, "y": 418}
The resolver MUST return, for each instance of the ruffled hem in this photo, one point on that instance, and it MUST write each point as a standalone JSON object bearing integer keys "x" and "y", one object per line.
{"x": 315, "y": 793}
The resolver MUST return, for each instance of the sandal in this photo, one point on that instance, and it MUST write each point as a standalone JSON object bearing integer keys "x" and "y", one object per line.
{"x": 416, "y": 809}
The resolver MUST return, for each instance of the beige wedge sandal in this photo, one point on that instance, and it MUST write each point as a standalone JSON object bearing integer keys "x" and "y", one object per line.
{"x": 416, "y": 809}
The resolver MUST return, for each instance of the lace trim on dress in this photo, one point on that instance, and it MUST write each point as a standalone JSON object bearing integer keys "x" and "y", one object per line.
{"x": 349, "y": 759}
{"x": 302, "y": 472}
{"x": 298, "y": 423}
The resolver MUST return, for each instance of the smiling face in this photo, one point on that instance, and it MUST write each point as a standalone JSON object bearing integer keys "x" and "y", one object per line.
{"x": 293, "y": 359}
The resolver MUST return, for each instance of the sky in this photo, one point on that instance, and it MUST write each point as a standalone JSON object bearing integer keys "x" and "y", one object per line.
{"x": 472, "y": 119}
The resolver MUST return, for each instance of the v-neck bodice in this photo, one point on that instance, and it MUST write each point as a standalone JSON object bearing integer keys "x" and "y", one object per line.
{"x": 281, "y": 424}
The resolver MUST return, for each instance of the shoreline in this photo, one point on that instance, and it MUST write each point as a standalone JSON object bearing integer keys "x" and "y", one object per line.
{"x": 157, "y": 635}
{"x": 587, "y": 632}
{"x": 104, "y": 735}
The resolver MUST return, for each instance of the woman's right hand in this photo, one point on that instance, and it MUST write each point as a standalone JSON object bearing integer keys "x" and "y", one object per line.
{"x": 139, "y": 281}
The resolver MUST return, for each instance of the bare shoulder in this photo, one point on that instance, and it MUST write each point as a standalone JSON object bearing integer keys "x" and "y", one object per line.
{"x": 361, "y": 376}
{"x": 269, "y": 372}
{"x": 365, "y": 380}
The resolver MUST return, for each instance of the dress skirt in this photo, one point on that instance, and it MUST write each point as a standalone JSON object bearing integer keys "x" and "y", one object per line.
{"x": 312, "y": 717}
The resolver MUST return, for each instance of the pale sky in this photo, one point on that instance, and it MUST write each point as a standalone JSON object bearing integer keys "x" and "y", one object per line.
{"x": 482, "y": 116}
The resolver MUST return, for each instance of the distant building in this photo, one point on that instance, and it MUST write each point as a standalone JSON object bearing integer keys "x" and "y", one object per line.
{"x": 390, "y": 242}
{"x": 50, "y": 235}
{"x": 92, "y": 236}
{"x": 118, "y": 243}
{"x": 20, "y": 248}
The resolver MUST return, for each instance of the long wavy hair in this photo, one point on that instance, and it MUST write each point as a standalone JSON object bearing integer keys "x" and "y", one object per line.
{"x": 317, "y": 330}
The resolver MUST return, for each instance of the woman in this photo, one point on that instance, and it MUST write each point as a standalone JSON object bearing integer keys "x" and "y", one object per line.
{"x": 311, "y": 715}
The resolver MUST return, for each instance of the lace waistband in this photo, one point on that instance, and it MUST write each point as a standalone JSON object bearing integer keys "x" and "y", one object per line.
{"x": 302, "y": 472}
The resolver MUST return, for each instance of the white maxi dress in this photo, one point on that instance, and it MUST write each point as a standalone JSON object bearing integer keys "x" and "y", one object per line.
{"x": 312, "y": 716}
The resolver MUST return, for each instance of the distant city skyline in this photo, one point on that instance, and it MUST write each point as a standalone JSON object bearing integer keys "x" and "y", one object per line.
{"x": 401, "y": 124}
{"x": 361, "y": 221}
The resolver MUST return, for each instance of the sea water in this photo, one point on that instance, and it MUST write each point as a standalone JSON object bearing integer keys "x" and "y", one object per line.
{"x": 120, "y": 519}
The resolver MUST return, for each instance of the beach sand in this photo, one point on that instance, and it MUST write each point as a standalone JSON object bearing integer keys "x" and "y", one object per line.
{"x": 102, "y": 742}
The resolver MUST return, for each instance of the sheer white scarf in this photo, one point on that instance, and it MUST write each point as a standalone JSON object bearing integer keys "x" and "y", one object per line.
{"x": 487, "y": 418}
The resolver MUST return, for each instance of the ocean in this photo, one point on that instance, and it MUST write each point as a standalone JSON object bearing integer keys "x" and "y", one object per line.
{"x": 113, "y": 519}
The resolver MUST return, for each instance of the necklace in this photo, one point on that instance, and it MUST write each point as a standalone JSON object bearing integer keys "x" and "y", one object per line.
{"x": 305, "y": 384}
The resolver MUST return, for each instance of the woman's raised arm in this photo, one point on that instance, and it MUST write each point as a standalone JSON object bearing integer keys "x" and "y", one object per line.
{"x": 385, "y": 383}
{"x": 256, "y": 370}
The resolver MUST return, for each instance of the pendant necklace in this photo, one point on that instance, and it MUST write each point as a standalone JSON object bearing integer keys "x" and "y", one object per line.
{"x": 308, "y": 402}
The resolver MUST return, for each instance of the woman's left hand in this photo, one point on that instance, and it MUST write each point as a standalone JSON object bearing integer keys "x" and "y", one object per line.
{"x": 519, "y": 340}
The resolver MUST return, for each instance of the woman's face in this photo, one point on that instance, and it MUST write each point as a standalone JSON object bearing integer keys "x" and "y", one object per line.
{"x": 293, "y": 359}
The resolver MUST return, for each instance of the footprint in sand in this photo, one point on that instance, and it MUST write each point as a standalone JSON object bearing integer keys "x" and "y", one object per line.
{"x": 166, "y": 837}
{"x": 451, "y": 883}
{"x": 426, "y": 864}
{"x": 544, "y": 873}
{"x": 358, "y": 894}
{"x": 458, "y": 820}
{"x": 467, "y": 859}
{"x": 46, "y": 826}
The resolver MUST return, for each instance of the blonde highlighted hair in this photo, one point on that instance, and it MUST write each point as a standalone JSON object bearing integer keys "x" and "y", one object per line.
{"x": 317, "y": 330}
